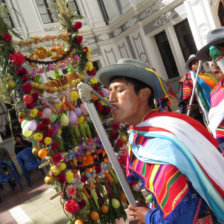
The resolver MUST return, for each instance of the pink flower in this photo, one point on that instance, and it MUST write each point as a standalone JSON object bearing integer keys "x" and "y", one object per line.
{"x": 6, "y": 37}
{"x": 17, "y": 58}
{"x": 71, "y": 206}
{"x": 70, "y": 191}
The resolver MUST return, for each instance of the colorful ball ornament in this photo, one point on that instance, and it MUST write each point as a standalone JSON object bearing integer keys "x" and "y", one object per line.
{"x": 53, "y": 118}
{"x": 31, "y": 125}
{"x": 72, "y": 117}
{"x": 64, "y": 120}
{"x": 26, "y": 133}
{"x": 46, "y": 113}
{"x": 27, "y": 98}
{"x": 24, "y": 123}
{"x": 78, "y": 111}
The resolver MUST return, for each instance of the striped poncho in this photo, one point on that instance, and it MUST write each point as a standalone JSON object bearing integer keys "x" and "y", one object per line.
{"x": 194, "y": 157}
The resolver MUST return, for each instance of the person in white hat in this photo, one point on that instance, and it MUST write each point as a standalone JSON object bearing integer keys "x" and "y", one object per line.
{"x": 165, "y": 150}
{"x": 216, "y": 113}
{"x": 186, "y": 87}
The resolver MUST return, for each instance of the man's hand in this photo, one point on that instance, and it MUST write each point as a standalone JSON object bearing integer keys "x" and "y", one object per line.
{"x": 193, "y": 106}
{"x": 137, "y": 212}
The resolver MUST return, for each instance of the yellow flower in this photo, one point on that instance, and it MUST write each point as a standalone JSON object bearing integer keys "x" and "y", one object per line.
{"x": 62, "y": 166}
{"x": 33, "y": 113}
{"x": 47, "y": 140}
{"x": 69, "y": 177}
{"x": 89, "y": 66}
{"x": 59, "y": 131}
{"x": 81, "y": 119}
{"x": 74, "y": 95}
{"x": 93, "y": 81}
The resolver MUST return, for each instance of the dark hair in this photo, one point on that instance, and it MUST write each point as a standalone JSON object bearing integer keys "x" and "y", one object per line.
{"x": 193, "y": 62}
{"x": 138, "y": 85}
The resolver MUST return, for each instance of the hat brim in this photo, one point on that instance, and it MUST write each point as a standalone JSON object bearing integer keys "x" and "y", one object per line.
{"x": 130, "y": 71}
{"x": 187, "y": 66}
{"x": 203, "y": 53}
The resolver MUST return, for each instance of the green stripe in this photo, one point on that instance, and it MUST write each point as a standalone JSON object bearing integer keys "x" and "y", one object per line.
{"x": 202, "y": 98}
{"x": 168, "y": 187}
{"x": 144, "y": 169}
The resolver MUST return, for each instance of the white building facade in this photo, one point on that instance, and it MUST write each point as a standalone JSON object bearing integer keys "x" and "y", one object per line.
{"x": 161, "y": 33}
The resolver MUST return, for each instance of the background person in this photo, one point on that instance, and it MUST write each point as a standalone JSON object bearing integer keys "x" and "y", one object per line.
{"x": 21, "y": 144}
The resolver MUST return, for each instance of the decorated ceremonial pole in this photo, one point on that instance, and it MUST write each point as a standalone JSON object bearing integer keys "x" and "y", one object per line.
{"x": 194, "y": 87}
{"x": 85, "y": 95}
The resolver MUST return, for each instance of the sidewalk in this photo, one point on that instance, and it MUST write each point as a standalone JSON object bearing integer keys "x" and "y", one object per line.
{"x": 31, "y": 206}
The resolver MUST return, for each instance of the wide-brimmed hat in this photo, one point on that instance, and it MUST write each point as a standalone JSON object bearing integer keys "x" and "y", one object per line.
{"x": 135, "y": 69}
{"x": 191, "y": 58}
{"x": 214, "y": 37}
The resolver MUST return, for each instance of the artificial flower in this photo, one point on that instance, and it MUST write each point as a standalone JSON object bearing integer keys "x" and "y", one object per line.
{"x": 77, "y": 26}
{"x": 82, "y": 204}
{"x": 57, "y": 157}
{"x": 41, "y": 127}
{"x": 79, "y": 39}
{"x": 47, "y": 140}
{"x": 106, "y": 110}
{"x": 61, "y": 177}
{"x": 98, "y": 168}
{"x": 25, "y": 78}
{"x": 83, "y": 178}
{"x": 93, "y": 81}
{"x": 27, "y": 88}
{"x": 17, "y": 58}
{"x": 71, "y": 206}
{"x": 21, "y": 71}
{"x": 46, "y": 121}
{"x": 49, "y": 133}
{"x": 30, "y": 105}
{"x": 92, "y": 72}
{"x": 96, "y": 87}
{"x": 6, "y": 37}
{"x": 119, "y": 143}
{"x": 85, "y": 49}
{"x": 69, "y": 177}
{"x": 114, "y": 135}
{"x": 35, "y": 97}
{"x": 54, "y": 146}
{"x": 70, "y": 191}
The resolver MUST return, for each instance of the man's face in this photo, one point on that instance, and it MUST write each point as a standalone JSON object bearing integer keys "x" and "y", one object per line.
{"x": 217, "y": 71}
{"x": 126, "y": 102}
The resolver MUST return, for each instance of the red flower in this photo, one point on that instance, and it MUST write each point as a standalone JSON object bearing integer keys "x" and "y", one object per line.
{"x": 39, "y": 113}
{"x": 50, "y": 133}
{"x": 30, "y": 105}
{"x": 119, "y": 143}
{"x": 6, "y": 37}
{"x": 83, "y": 178}
{"x": 123, "y": 160}
{"x": 27, "y": 87}
{"x": 61, "y": 177}
{"x": 105, "y": 111}
{"x": 25, "y": 78}
{"x": 21, "y": 71}
{"x": 98, "y": 168}
{"x": 93, "y": 72}
{"x": 46, "y": 121}
{"x": 41, "y": 127}
{"x": 85, "y": 49}
{"x": 42, "y": 142}
{"x": 114, "y": 134}
{"x": 77, "y": 26}
{"x": 35, "y": 97}
{"x": 54, "y": 146}
{"x": 96, "y": 87}
{"x": 99, "y": 107}
{"x": 82, "y": 204}
{"x": 57, "y": 157}
{"x": 71, "y": 206}
{"x": 17, "y": 58}
{"x": 79, "y": 39}
{"x": 116, "y": 126}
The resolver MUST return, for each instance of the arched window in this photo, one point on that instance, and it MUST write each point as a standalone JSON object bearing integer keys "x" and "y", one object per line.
{"x": 221, "y": 13}
{"x": 7, "y": 18}
{"x": 48, "y": 10}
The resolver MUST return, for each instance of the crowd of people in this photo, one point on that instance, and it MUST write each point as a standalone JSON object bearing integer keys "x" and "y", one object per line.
{"x": 177, "y": 158}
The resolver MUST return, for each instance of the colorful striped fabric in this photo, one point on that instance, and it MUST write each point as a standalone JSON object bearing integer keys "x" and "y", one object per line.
{"x": 189, "y": 147}
{"x": 217, "y": 95}
{"x": 165, "y": 182}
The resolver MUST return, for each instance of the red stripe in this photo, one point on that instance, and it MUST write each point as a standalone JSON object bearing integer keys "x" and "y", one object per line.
{"x": 148, "y": 128}
{"x": 197, "y": 125}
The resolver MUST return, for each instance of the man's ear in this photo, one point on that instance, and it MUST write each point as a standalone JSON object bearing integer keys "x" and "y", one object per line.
{"x": 145, "y": 93}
